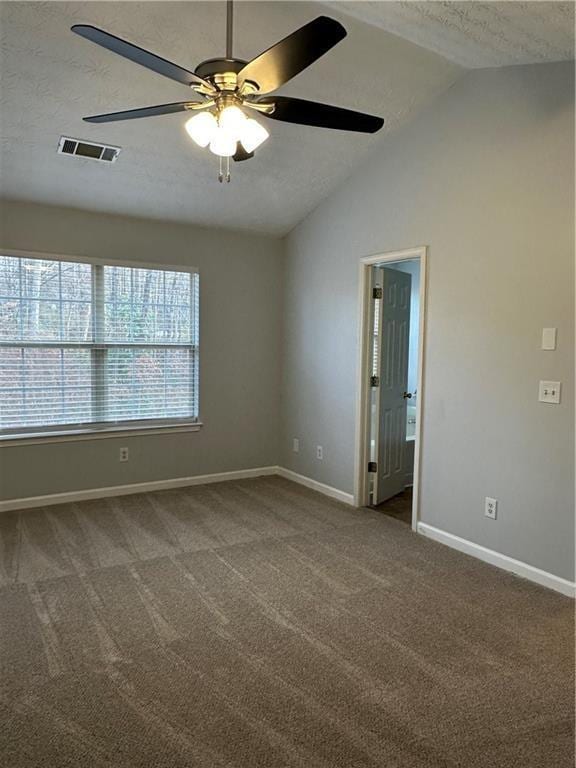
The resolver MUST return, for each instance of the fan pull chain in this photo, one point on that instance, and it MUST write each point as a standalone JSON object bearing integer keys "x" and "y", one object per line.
{"x": 224, "y": 170}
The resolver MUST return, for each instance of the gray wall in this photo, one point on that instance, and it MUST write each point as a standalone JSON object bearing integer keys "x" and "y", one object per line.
{"x": 485, "y": 177}
{"x": 239, "y": 352}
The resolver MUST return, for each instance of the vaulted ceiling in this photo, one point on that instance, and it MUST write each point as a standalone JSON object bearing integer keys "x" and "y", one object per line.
{"x": 52, "y": 78}
{"x": 477, "y": 34}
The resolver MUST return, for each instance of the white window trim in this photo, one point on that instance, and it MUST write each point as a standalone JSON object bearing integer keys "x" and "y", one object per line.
{"x": 93, "y": 260}
{"x": 95, "y": 431}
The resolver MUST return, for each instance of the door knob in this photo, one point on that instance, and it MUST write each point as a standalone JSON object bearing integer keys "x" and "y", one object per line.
{"x": 407, "y": 395}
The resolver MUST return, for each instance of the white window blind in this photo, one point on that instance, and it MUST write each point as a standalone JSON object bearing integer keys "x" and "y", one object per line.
{"x": 90, "y": 346}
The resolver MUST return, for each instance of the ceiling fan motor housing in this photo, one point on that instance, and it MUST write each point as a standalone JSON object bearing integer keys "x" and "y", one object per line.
{"x": 220, "y": 70}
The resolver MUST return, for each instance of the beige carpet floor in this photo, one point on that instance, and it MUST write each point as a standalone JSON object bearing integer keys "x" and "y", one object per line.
{"x": 256, "y": 624}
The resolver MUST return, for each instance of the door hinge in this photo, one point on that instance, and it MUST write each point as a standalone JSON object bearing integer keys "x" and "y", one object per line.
{"x": 377, "y": 293}
{"x": 374, "y": 381}
{"x": 372, "y": 466}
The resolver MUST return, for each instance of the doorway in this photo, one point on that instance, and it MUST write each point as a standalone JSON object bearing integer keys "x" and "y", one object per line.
{"x": 392, "y": 299}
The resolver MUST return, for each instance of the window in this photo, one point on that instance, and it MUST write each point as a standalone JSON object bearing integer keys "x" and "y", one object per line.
{"x": 88, "y": 346}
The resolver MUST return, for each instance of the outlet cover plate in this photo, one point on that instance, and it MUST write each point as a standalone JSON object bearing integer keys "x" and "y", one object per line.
{"x": 491, "y": 508}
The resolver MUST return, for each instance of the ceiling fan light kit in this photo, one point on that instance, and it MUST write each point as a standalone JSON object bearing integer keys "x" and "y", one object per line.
{"x": 223, "y": 132}
{"x": 229, "y": 88}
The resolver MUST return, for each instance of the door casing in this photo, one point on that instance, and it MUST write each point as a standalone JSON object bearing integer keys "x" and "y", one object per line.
{"x": 362, "y": 437}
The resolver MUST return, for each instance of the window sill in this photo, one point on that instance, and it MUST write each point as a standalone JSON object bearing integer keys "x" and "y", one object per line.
{"x": 7, "y": 441}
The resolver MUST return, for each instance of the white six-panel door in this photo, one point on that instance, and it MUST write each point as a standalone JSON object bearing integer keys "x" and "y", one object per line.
{"x": 394, "y": 340}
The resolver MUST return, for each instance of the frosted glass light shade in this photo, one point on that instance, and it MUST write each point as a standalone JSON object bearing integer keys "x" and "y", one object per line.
{"x": 223, "y": 133}
{"x": 232, "y": 119}
{"x": 202, "y": 127}
{"x": 252, "y": 135}
{"x": 223, "y": 143}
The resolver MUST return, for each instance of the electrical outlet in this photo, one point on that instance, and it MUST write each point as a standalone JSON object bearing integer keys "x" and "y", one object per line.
{"x": 296, "y": 445}
{"x": 319, "y": 452}
{"x": 490, "y": 508}
{"x": 124, "y": 454}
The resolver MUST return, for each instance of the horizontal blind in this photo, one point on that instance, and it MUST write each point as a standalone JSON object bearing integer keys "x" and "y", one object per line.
{"x": 95, "y": 345}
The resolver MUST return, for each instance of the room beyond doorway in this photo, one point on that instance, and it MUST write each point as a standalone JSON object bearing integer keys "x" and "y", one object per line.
{"x": 390, "y": 386}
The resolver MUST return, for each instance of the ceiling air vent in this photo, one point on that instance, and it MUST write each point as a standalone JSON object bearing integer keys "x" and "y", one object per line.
{"x": 88, "y": 149}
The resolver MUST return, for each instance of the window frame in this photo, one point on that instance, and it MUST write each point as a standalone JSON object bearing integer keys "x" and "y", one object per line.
{"x": 104, "y": 429}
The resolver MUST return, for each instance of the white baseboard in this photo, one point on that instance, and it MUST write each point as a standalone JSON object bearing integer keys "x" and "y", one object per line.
{"x": 124, "y": 490}
{"x": 178, "y": 482}
{"x": 518, "y": 567}
{"x": 529, "y": 572}
{"x": 327, "y": 490}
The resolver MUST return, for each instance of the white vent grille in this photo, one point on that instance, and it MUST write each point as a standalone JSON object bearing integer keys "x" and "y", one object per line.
{"x": 88, "y": 150}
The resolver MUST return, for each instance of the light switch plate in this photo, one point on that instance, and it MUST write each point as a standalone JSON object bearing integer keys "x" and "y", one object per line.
{"x": 549, "y": 338}
{"x": 549, "y": 392}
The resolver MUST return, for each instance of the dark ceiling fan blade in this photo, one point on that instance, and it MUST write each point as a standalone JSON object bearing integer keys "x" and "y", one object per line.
{"x": 290, "y": 56}
{"x": 321, "y": 115}
{"x": 138, "y": 55}
{"x": 241, "y": 154}
{"x": 132, "y": 114}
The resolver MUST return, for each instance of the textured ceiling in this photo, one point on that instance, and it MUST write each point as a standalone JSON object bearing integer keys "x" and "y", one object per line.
{"x": 51, "y": 78}
{"x": 477, "y": 34}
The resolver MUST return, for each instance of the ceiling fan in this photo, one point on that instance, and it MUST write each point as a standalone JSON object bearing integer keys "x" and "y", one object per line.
{"x": 226, "y": 87}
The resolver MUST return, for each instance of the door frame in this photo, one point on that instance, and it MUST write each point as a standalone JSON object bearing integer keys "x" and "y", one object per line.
{"x": 362, "y": 437}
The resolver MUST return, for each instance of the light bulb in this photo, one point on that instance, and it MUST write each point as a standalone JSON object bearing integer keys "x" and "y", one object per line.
{"x": 232, "y": 119}
{"x": 223, "y": 143}
{"x": 202, "y": 128}
{"x": 252, "y": 135}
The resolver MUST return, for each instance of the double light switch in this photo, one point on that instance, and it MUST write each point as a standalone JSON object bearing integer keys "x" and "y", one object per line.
{"x": 549, "y": 392}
